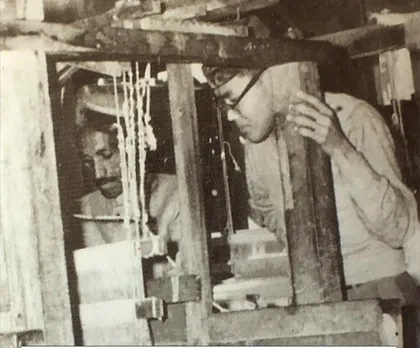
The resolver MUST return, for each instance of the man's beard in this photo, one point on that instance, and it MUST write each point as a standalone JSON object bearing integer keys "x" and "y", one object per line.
{"x": 110, "y": 187}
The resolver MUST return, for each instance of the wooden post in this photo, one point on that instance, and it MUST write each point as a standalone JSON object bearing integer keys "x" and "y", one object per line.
{"x": 193, "y": 249}
{"x": 30, "y": 197}
{"x": 312, "y": 227}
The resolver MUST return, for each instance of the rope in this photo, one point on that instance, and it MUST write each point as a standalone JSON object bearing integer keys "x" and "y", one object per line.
{"x": 142, "y": 152}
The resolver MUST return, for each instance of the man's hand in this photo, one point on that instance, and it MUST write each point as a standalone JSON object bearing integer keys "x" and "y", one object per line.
{"x": 164, "y": 206}
{"x": 316, "y": 120}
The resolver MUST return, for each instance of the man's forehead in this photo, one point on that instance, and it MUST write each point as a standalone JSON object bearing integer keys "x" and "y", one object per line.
{"x": 94, "y": 140}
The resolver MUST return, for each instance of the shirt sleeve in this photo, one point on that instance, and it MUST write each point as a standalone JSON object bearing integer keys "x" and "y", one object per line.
{"x": 371, "y": 174}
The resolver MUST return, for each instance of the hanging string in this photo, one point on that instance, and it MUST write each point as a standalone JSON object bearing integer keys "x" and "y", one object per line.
{"x": 141, "y": 150}
{"x": 123, "y": 158}
{"x": 229, "y": 223}
{"x": 128, "y": 117}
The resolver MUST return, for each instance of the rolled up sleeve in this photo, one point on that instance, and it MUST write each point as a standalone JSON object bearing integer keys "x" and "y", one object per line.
{"x": 372, "y": 177}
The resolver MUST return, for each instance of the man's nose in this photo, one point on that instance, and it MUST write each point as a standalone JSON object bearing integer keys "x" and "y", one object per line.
{"x": 100, "y": 169}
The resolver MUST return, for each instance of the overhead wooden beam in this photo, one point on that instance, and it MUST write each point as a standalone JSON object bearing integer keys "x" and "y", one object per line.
{"x": 207, "y": 48}
{"x": 178, "y": 47}
{"x": 302, "y": 321}
{"x": 367, "y": 41}
{"x": 374, "y": 39}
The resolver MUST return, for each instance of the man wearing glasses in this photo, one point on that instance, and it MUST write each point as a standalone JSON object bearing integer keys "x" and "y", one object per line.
{"x": 377, "y": 213}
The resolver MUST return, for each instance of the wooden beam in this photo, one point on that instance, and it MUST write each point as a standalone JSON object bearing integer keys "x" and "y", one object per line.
{"x": 194, "y": 249}
{"x": 367, "y": 41}
{"x": 312, "y": 229}
{"x": 208, "y": 48}
{"x": 341, "y": 339}
{"x": 374, "y": 39}
{"x": 182, "y": 26}
{"x": 176, "y": 289}
{"x": 172, "y": 47}
{"x": 301, "y": 321}
{"x": 28, "y": 152}
{"x": 217, "y": 10}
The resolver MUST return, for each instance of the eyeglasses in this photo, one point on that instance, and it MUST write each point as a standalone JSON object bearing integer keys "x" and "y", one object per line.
{"x": 251, "y": 84}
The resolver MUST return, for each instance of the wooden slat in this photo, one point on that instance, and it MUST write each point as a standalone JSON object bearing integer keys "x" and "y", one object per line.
{"x": 301, "y": 321}
{"x": 18, "y": 220}
{"x": 175, "y": 47}
{"x": 271, "y": 288}
{"x": 28, "y": 153}
{"x": 176, "y": 289}
{"x": 110, "y": 323}
{"x": 100, "y": 278}
{"x": 220, "y": 9}
{"x": 182, "y": 26}
{"x": 193, "y": 249}
{"x": 171, "y": 331}
{"x": 367, "y": 41}
{"x": 311, "y": 224}
{"x": 342, "y": 339}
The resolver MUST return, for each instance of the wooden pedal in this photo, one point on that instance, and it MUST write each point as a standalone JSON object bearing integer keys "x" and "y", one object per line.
{"x": 150, "y": 308}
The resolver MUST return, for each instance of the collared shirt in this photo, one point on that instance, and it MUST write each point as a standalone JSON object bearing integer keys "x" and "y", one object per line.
{"x": 163, "y": 207}
{"x": 377, "y": 213}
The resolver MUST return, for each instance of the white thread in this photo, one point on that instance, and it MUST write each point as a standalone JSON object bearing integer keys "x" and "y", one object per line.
{"x": 175, "y": 288}
{"x": 237, "y": 167}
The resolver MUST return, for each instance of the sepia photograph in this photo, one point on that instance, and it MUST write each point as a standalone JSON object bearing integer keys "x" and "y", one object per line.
{"x": 210, "y": 173}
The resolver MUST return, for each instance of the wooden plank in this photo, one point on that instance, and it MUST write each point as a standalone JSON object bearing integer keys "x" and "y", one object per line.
{"x": 327, "y": 233}
{"x": 176, "y": 289}
{"x": 300, "y": 321}
{"x": 270, "y": 288}
{"x": 183, "y": 26}
{"x": 171, "y": 331}
{"x": 100, "y": 278}
{"x": 311, "y": 224}
{"x": 194, "y": 247}
{"x": 367, "y": 41}
{"x": 342, "y": 339}
{"x": 110, "y": 323}
{"x": 17, "y": 232}
{"x": 175, "y": 47}
{"x": 374, "y": 39}
{"x": 208, "y": 48}
{"x": 217, "y": 10}
{"x": 28, "y": 151}
{"x": 106, "y": 68}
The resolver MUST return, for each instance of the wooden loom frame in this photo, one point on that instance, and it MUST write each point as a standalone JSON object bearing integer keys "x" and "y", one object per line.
{"x": 203, "y": 327}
